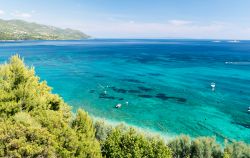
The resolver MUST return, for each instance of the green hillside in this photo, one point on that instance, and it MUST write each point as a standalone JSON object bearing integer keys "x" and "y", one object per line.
{"x": 22, "y": 30}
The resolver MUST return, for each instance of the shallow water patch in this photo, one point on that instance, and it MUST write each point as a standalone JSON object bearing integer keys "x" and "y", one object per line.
{"x": 99, "y": 76}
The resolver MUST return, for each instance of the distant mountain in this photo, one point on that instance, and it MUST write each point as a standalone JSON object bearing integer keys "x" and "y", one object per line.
{"x": 22, "y": 30}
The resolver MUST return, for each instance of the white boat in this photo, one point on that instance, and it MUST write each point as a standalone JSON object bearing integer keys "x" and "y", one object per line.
{"x": 118, "y": 105}
{"x": 234, "y": 41}
{"x": 213, "y": 86}
{"x": 216, "y": 41}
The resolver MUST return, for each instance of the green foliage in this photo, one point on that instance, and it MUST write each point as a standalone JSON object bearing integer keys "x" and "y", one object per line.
{"x": 21, "y": 30}
{"x": 130, "y": 144}
{"x": 237, "y": 150}
{"x": 102, "y": 130}
{"x": 36, "y": 123}
{"x": 180, "y": 146}
{"x": 205, "y": 147}
{"x": 22, "y": 140}
{"x": 85, "y": 131}
{"x": 226, "y": 155}
{"x": 22, "y": 91}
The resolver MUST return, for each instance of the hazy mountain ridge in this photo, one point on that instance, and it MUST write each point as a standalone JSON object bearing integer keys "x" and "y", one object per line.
{"x": 22, "y": 30}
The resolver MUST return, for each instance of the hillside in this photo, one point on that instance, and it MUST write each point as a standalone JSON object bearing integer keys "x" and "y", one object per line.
{"x": 22, "y": 30}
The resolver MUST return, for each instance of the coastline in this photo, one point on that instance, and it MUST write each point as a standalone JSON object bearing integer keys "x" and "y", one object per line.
{"x": 146, "y": 131}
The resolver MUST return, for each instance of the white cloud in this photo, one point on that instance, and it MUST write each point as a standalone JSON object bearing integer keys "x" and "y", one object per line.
{"x": 18, "y": 14}
{"x": 169, "y": 29}
{"x": 179, "y": 22}
{"x": 131, "y": 22}
{"x": 2, "y": 12}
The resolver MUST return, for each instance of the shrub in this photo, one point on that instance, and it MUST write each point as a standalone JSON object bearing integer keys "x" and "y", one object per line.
{"x": 237, "y": 150}
{"x": 129, "y": 144}
{"x": 180, "y": 146}
{"x": 102, "y": 130}
{"x": 36, "y": 123}
{"x": 205, "y": 147}
{"x": 88, "y": 145}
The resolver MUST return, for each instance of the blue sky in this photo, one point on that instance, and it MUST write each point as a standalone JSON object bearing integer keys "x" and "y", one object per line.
{"x": 216, "y": 19}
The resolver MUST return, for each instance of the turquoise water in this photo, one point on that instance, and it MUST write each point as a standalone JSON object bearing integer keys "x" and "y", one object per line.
{"x": 165, "y": 82}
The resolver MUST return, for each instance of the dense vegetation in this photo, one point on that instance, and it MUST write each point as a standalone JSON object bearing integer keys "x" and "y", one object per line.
{"x": 21, "y": 30}
{"x": 36, "y": 123}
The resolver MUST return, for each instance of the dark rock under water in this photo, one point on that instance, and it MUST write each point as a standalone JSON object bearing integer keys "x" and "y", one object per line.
{"x": 118, "y": 90}
{"x": 105, "y": 96}
{"x": 155, "y": 74}
{"x": 146, "y": 89}
{"x": 133, "y": 91}
{"x": 133, "y": 80}
{"x": 91, "y": 91}
{"x": 242, "y": 124}
{"x": 162, "y": 96}
{"x": 145, "y": 96}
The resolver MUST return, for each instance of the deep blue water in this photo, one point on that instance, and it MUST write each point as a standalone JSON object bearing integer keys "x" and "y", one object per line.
{"x": 165, "y": 82}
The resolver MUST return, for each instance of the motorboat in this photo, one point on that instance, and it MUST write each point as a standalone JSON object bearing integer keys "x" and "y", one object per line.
{"x": 213, "y": 86}
{"x": 118, "y": 105}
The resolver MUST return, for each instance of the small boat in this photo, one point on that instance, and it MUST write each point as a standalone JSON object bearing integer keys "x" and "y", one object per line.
{"x": 118, "y": 105}
{"x": 248, "y": 109}
{"x": 213, "y": 86}
{"x": 234, "y": 41}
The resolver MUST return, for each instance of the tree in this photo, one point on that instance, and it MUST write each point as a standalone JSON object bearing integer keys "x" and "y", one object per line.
{"x": 102, "y": 130}
{"x": 36, "y": 123}
{"x": 180, "y": 146}
{"x": 21, "y": 90}
{"x": 19, "y": 139}
{"x": 237, "y": 150}
{"x": 205, "y": 147}
{"x": 85, "y": 131}
{"x": 130, "y": 144}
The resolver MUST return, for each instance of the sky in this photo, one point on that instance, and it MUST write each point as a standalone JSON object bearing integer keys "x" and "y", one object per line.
{"x": 187, "y": 19}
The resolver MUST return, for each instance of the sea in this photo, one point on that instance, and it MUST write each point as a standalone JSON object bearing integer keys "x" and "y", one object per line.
{"x": 163, "y": 85}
